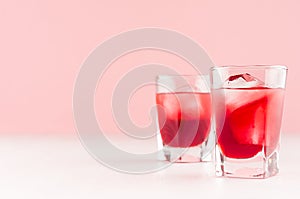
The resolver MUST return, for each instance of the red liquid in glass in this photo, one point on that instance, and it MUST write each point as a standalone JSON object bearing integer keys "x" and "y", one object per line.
{"x": 252, "y": 122}
{"x": 184, "y": 118}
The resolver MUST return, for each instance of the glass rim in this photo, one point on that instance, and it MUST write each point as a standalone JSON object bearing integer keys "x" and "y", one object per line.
{"x": 251, "y": 67}
{"x": 185, "y": 75}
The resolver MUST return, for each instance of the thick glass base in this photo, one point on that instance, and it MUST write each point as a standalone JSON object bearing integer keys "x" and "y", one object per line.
{"x": 200, "y": 153}
{"x": 185, "y": 155}
{"x": 258, "y": 166}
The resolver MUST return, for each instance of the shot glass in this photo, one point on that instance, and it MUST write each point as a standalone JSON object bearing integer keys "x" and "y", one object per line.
{"x": 184, "y": 117}
{"x": 248, "y": 104}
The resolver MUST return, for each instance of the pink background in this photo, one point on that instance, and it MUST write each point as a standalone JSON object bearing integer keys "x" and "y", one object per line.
{"x": 43, "y": 43}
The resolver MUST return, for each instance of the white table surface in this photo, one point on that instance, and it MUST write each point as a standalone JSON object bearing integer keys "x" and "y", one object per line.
{"x": 57, "y": 166}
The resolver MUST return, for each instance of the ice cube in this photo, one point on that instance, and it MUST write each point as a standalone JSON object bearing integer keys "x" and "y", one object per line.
{"x": 239, "y": 93}
{"x": 248, "y": 122}
{"x": 243, "y": 81}
{"x": 190, "y": 105}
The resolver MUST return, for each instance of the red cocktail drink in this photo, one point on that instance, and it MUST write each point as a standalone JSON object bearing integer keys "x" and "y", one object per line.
{"x": 184, "y": 118}
{"x": 248, "y": 105}
{"x": 252, "y": 122}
